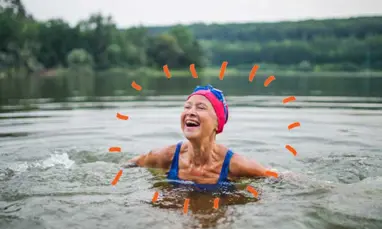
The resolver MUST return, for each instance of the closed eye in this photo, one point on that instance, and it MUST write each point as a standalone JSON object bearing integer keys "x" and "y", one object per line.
{"x": 199, "y": 106}
{"x": 187, "y": 106}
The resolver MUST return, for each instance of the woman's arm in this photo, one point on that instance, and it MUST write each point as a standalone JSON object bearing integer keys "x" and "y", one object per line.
{"x": 160, "y": 158}
{"x": 241, "y": 166}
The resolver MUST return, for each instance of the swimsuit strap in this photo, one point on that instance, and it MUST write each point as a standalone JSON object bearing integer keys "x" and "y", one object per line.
{"x": 225, "y": 168}
{"x": 173, "y": 172}
{"x": 174, "y": 169}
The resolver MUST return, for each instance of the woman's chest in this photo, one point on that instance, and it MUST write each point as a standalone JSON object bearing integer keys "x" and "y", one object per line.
{"x": 202, "y": 175}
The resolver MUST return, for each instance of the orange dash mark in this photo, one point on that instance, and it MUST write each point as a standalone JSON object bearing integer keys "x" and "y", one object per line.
{"x": 216, "y": 203}
{"x": 289, "y": 99}
{"x": 271, "y": 174}
{"x": 122, "y": 117}
{"x": 155, "y": 197}
{"x": 222, "y": 70}
{"x": 253, "y": 191}
{"x": 268, "y": 81}
{"x": 185, "y": 206}
{"x": 291, "y": 149}
{"x": 293, "y": 125}
{"x": 136, "y": 86}
{"x": 114, "y": 149}
{"x": 193, "y": 71}
{"x": 116, "y": 179}
{"x": 167, "y": 71}
{"x": 253, "y": 73}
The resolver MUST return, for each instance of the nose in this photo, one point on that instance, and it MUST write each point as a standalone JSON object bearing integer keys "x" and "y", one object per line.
{"x": 191, "y": 111}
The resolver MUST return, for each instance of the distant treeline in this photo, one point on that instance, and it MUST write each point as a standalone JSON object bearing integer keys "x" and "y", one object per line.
{"x": 335, "y": 44}
{"x": 28, "y": 45}
{"x": 96, "y": 58}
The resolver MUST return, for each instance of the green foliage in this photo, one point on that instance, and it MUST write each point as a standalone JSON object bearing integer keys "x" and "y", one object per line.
{"x": 53, "y": 59}
{"x": 26, "y": 43}
{"x": 345, "y": 44}
{"x": 18, "y": 40}
{"x": 79, "y": 57}
{"x": 57, "y": 39}
{"x": 312, "y": 45}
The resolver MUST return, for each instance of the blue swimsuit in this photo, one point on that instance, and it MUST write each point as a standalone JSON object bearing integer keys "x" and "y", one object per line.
{"x": 223, "y": 182}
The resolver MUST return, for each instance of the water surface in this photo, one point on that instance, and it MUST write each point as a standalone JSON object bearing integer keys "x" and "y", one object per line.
{"x": 55, "y": 168}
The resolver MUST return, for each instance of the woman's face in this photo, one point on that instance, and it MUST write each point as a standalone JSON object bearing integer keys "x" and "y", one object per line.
{"x": 198, "y": 118}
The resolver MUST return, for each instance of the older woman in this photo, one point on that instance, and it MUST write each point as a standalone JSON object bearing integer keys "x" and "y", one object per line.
{"x": 200, "y": 160}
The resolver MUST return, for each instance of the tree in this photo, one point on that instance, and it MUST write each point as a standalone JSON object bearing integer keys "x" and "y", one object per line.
{"x": 80, "y": 58}
{"x": 164, "y": 49}
{"x": 57, "y": 39}
{"x": 19, "y": 43}
{"x": 96, "y": 36}
{"x": 192, "y": 51}
{"x": 80, "y": 77}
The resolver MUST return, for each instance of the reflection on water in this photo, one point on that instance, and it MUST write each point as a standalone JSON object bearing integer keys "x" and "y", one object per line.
{"x": 55, "y": 168}
{"x": 361, "y": 84}
{"x": 201, "y": 203}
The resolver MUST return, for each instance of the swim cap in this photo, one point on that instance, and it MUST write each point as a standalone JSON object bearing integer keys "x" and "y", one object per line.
{"x": 216, "y": 98}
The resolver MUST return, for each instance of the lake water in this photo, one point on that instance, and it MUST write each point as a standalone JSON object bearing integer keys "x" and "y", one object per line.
{"x": 56, "y": 171}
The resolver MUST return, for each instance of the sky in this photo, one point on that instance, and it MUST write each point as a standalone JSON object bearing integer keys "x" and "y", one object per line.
{"x": 127, "y": 13}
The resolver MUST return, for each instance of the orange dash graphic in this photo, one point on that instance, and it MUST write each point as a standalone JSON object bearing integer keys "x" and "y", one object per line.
{"x": 167, "y": 71}
{"x": 116, "y": 178}
{"x": 268, "y": 81}
{"x": 222, "y": 70}
{"x": 136, "y": 86}
{"x": 293, "y": 125}
{"x": 193, "y": 71}
{"x": 253, "y": 73}
{"x": 291, "y": 149}
{"x": 253, "y": 191}
{"x": 185, "y": 206}
{"x": 155, "y": 197}
{"x": 115, "y": 149}
{"x": 289, "y": 99}
{"x": 271, "y": 174}
{"x": 122, "y": 117}
{"x": 216, "y": 203}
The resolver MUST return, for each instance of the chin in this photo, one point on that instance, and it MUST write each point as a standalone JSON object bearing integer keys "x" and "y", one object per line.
{"x": 190, "y": 135}
{"x": 191, "y": 138}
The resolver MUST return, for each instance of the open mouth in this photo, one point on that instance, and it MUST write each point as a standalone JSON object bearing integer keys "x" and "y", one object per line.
{"x": 190, "y": 123}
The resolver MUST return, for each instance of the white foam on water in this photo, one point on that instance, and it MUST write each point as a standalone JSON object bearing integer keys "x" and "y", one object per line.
{"x": 54, "y": 160}
{"x": 57, "y": 159}
{"x": 20, "y": 167}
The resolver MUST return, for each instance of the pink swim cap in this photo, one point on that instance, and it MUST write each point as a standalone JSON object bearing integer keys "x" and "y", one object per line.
{"x": 216, "y": 98}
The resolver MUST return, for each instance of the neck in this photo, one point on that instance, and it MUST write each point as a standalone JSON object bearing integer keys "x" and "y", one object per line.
{"x": 201, "y": 151}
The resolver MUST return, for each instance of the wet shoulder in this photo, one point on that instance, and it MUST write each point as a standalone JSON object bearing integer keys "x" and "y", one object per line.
{"x": 165, "y": 154}
{"x": 184, "y": 147}
{"x": 223, "y": 150}
{"x": 170, "y": 151}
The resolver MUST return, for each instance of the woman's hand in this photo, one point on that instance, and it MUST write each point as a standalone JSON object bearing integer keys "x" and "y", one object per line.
{"x": 128, "y": 164}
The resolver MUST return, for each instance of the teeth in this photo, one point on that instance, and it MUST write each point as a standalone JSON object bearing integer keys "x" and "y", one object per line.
{"x": 191, "y": 122}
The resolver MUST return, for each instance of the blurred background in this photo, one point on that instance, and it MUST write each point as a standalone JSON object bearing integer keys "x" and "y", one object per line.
{"x": 66, "y": 69}
{"x": 58, "y": 50}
